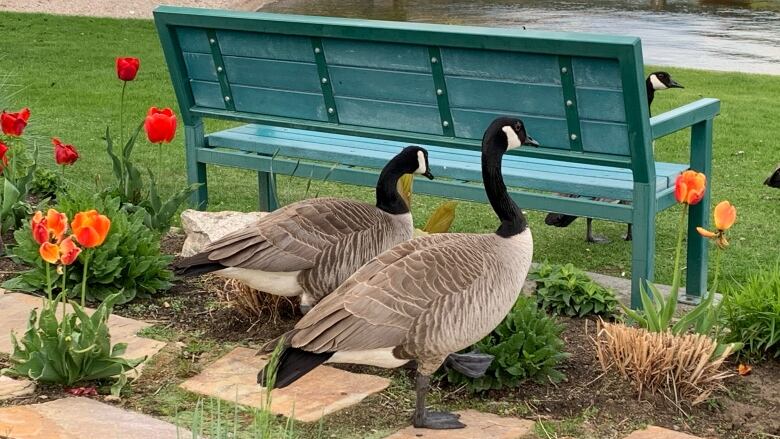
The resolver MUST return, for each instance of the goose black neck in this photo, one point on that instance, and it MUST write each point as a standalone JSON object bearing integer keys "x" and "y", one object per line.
{"x": 387, "y": 197}
{"x": 650, "y": 93}
{"x": 512, "y": 220}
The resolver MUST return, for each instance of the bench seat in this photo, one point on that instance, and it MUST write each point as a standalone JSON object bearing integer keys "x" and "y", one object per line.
{"x": 458, "y": 164}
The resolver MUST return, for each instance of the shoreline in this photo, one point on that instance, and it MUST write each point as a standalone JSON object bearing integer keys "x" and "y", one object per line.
{"x": 121, "y": 9}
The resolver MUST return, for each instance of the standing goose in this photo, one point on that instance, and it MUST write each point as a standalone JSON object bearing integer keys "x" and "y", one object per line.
{"x": 655, "y": 81}
{"x": 774, "y": 179}
{"x": 310, "y": 247}
{"x": 424, "y": 299}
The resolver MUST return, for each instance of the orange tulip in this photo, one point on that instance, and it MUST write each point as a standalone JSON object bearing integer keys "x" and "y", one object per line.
{"x": 744, "y": 369}
{"x": 56, "y": 223}
{"x": 690, "y": 187}
{"x": 39, "y": 231}
{"x": 69, "y": 252}
{"x": 725, "y": 215}
{"x": 90, "y": 228}
{"x": 49, "y": 252}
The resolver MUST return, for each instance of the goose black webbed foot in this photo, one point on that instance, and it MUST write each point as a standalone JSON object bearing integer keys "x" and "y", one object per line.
{"x": 438, "y": 421}
{"x": 590, "y": 237}
{"x": 472, "y": 364}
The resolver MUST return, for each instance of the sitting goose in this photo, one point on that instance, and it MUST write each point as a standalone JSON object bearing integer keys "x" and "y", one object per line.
{"x": 654, "y": 82}
{"x": 310, "y": 247}
{"x": 424, "y": 299}
{"x": 774, "y": 179}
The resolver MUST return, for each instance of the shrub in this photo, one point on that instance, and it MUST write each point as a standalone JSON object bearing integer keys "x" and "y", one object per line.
{"x": 566, "y": 290}
{"x": 752, "y": 314}
{"x": 526, "y": 345}
{"x": 129, "y": 262}
{"x": 46, "y": 182}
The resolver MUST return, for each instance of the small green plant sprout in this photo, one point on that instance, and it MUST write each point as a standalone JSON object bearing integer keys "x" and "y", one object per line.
{"x": 566, "y": 290}
{"x": 526, "y": 345}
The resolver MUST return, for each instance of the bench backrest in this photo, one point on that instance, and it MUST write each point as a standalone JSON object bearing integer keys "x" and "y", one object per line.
{"x": 581, "y": 95}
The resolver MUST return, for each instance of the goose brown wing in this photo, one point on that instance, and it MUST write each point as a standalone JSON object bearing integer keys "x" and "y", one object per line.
{"x": 390, "y": 298}
{"x": 292, "y": 238}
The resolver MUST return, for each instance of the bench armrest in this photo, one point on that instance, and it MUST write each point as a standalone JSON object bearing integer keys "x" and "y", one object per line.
{"x": 684, "y": 117}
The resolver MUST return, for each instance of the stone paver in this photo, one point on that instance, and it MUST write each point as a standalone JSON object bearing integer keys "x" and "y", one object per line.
{"x": 78, "y": 418}
{"x": 478, "y": 426}
{"x": 12, "y": 388}
{"x": 15, "y": 310}
{"x": 653, "y": 432}
{"x": 323, "y": 391}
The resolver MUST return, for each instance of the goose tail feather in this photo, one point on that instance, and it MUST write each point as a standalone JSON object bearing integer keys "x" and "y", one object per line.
{"x": 196, "y": 265}
{"x": 293, "y": 364}
{"x": 559, "y": 219}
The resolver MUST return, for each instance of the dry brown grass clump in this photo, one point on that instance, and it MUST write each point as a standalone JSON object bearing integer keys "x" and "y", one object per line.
{"x": 253, "y": 304}
{"x": 680, "y": 367}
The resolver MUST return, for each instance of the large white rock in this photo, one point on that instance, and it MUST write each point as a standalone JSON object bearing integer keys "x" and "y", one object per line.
{"x": 202, "y": 228}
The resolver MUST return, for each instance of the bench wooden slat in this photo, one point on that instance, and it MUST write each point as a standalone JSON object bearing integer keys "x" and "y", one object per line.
{"x": 265, "y": 73}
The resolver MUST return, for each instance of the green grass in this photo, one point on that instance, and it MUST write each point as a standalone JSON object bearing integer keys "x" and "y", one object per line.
{"x": 63, "y": 68}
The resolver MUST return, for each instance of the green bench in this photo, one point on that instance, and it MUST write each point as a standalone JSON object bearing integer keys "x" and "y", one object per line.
{"x": 317, "y": 91}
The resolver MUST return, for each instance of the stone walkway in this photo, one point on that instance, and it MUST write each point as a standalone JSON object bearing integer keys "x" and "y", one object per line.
{"x": 478, "y": 425}
{"x": 233, "y": 378}
{"x": 79, "y": 418}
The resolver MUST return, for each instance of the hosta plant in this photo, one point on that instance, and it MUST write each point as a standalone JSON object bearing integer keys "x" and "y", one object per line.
{"x": 526, "y": 345}
{"x": 566, "y": 290}
{"x": 129, "y": 262}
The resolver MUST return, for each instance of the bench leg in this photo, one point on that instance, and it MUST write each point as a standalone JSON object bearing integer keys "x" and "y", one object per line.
{"x": 196, "y": 172}
{"x": 701, "y": 161}
{"x": 266, "y": 185}
{"x": 643, "y": 244}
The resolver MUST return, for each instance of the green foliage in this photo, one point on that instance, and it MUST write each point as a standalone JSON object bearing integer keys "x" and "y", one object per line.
{"x": 129, "y": 261}
{"x": 526, "y": 345}
{"x": 566, "y": 290}
{"x": 70, "y": 351}
{"x": 131, "y": 190}
{"x": 752, "y": 314}
{"x": 46, "y": 182}
{"x": 17, "y": 181}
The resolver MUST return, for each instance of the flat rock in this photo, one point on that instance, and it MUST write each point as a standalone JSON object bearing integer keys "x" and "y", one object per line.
{"x": 16, "y": 309}
{"x": 11, "y": 388}
{"x": 76, "y": 418}
{"x": 203, "y": 228}
{"x": 478, "y": 425}
{"x": 653, "y": 432}
{"x": 325, "y": 390}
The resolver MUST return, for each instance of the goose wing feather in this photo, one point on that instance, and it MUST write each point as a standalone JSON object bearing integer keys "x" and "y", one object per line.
{"x": 292, "y": 238}
{"x": 395, "y": 296}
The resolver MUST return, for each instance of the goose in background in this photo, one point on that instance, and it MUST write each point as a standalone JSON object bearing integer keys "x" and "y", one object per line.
{"x": 424, "y": 299}
{"x": 655, "y": 81}
{"x": 774, "y": 179}
{"x": 310, "y": 247}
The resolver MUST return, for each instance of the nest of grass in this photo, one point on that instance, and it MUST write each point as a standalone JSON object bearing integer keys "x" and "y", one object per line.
{"x": 254, "y": 305}
{"x": 682, "y": 367}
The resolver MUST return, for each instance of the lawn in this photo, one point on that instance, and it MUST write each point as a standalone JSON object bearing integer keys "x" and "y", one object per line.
{"x": 62, "y": 68}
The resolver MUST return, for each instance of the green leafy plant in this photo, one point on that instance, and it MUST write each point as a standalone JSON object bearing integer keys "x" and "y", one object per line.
{"x": 526, "y": 345}
{"x": 752, "y": 314}
{"x": 132, "y": 191}
{"x": 75, "y": 349}
{"x": 17, "y": 180}
{"x": 566, "y": 290}
{"x": 46, "y": 182}
{"x": 129, "y": 262}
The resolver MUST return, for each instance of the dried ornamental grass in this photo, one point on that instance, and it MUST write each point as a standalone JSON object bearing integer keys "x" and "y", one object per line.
{"x": 253, "y": 304}
{"x": 681, "y": 367}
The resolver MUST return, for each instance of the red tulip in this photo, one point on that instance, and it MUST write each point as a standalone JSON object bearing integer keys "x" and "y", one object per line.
{"x": 90, "y": 228}
{"x": 39, "y": 231}
{"x": 160, "y": 125}
{"x": 3, "y": 156}
{"x": 69, "y": 252}
{"x": 689, "y": 187}
{"x": 64, "y": 154}
{"x": 14, "y": 123}
{"x": 127, "y": 68}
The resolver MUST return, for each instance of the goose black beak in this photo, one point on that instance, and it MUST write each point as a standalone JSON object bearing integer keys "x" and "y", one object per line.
{"x": 530, "y": 141}
{"x": 674, "y": 84}
{"x": 428, "y": 175}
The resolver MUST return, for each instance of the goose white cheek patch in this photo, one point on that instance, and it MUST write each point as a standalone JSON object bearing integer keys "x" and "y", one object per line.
{"x": 421, "y": 168}
{"x": 657, "y": 84}
{"x": 511, "y": 137}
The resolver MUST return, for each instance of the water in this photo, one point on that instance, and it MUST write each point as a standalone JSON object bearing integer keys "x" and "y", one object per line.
{"x": 731, "y": 35}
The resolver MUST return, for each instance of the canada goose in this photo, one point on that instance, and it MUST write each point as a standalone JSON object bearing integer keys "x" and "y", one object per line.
{"x": 310, "y": 247}
{"x": 774, "y": 179}
{"x": 424, "y": 299}
{"x": 655, "y": 81}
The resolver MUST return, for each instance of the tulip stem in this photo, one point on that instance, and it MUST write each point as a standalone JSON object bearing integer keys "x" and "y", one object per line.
{"x": 121, "y": 116}
{"x": 84, "y": 280}
{"x": 680, "y": 236}
{"x": 64, "y": 295}
{"x": 159, "y": 176}
{"x": 48, "y": 284}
